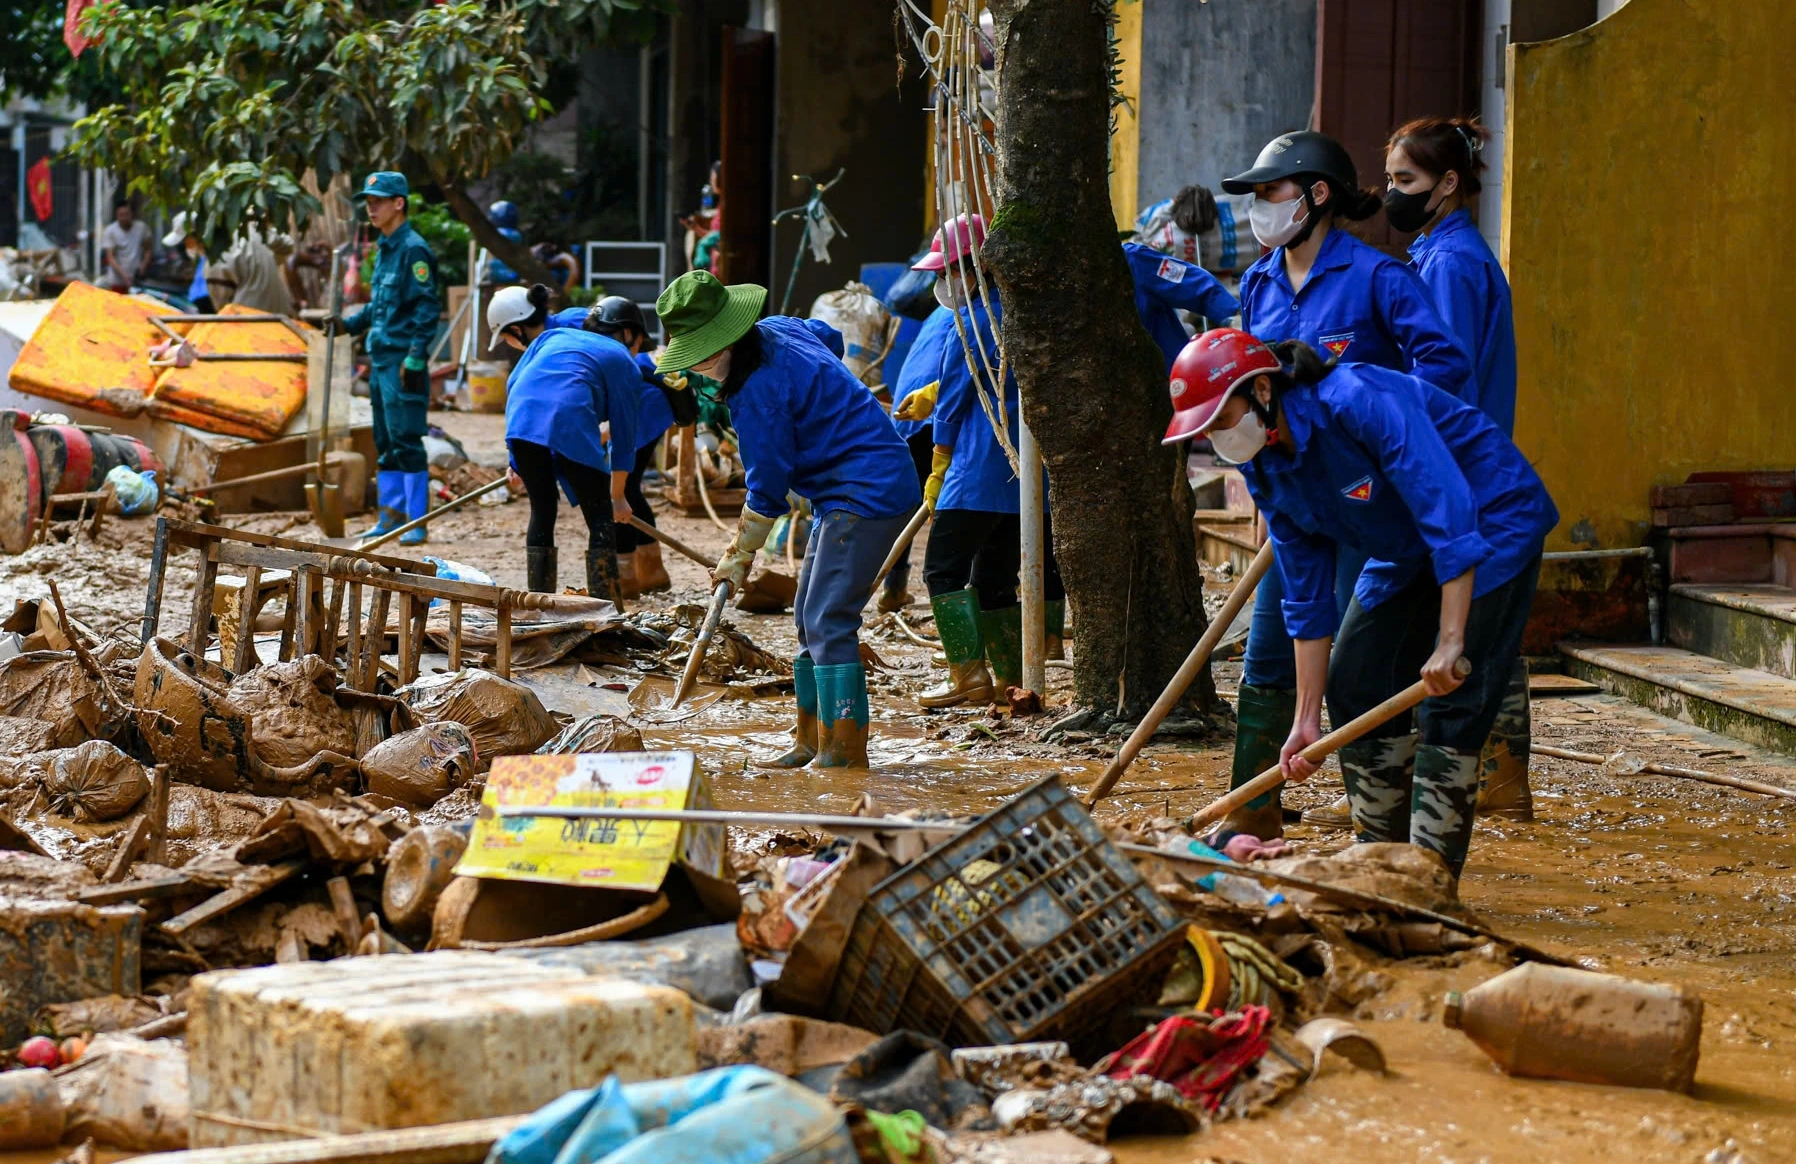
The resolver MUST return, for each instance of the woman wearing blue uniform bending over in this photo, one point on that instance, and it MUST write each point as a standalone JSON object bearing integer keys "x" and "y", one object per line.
{"x": 1431, "y": 169}
{"x": 565, "y": 385}
{"x": 1348, "y": 300}
{"x": 1451, "y": 518}
{"x": 805, "y": 425}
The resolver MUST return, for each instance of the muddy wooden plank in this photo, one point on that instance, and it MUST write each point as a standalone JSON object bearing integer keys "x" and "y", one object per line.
{"x": 461, "y": 1143}
{"x": 143, "y": 890}
{"x": 250, "y": 884}
{"x": 136, "y": 838}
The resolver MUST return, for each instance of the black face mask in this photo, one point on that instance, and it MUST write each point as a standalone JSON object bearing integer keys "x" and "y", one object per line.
{"x": 1409, "y": 212}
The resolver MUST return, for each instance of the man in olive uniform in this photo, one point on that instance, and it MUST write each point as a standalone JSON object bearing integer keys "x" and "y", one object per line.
{"x": 400, "y": 321}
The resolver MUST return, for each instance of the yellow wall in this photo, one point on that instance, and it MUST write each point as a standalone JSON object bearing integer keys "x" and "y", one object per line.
{"x": 1648, "y": 192}
{"x": 1125, "y": 143}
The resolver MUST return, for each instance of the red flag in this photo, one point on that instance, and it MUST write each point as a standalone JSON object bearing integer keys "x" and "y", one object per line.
{"x": 37, "y": 184}
{"x": 71, "y": 25}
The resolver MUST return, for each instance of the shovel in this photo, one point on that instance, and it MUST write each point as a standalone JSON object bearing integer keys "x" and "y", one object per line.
{"x": 706, "y": 630}
{"x": 323, "y": 496}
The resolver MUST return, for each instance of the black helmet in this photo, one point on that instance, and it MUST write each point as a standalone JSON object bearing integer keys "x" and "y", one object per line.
{"x": 613, "y": 314}
{"x": 1292, "y": 154}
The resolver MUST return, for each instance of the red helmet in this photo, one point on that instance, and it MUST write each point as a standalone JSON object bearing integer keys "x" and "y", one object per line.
{"x": 1207, "y": 373}
{"x": 962, "y": 235}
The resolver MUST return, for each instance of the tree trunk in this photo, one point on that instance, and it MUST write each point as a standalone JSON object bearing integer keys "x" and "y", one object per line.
{"x": 1093, "y": 381}
{"x": 514, "y": 254}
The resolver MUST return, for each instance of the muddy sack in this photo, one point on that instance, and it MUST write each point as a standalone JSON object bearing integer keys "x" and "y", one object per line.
{"x": 293, "y": 712}
{"x": 504, "y": 718}
{"x": 94, "y": 781}
{"x": 422, "y": 766}
{"x": 128, "y": 1093}
{"x": 51, "y": 686}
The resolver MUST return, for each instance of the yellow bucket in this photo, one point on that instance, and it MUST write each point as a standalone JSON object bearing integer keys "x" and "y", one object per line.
{"x": 486, "y": 386}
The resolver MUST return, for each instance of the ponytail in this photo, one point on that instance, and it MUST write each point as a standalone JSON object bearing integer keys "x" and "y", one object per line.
{"x": 1442, "y": 144}
{"x": 1303, "y": 363}
{"x": 1355, "y": 205}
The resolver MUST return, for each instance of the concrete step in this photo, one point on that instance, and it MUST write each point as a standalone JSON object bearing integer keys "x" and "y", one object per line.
{"x": 1748, "y": 704}
{"x": 1746, "y": 625}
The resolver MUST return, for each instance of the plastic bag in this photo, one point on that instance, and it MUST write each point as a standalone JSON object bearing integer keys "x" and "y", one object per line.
{"x": 136, "y": 491}
{"x": 94, "y": 781}
{"x": 505, "y": 718}
{"x": 129, "y": 1093}
{"x": 293, "y": 712}
{"x": 421, "y": 766}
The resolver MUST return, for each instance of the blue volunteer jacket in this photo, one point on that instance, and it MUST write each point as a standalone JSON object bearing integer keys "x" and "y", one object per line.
{"x": 566, "y": 384}
{"x": 807, "y": 426}
{"x": 923, "y": 366}
{"x": 1163, "y": 284}
{"x": 1472, "y": 294}
{"x": 980, "y": 477}
{"x": 1358, "y": 304}
{"x": 402, "y": 311}
{"x": 1401, "y": 472}
{"x": 654, "y": 415}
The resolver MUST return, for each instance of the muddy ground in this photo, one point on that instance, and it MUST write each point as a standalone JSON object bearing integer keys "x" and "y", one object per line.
{"x": 1643, "y": 876}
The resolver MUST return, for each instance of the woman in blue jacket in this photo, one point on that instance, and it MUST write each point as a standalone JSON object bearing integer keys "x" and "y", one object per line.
{"x": 805, "y": 425}
{"x": 1431, "y": 169}
{"x": 565, "y": 385}
{"x": 1451, "y": 518}
{"x": 1320, "y": 285}
{"x": 915, "y": 393}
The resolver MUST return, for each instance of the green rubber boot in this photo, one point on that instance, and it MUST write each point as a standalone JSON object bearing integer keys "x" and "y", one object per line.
{"x": 1263, "y": 718}
{"x": 957, "y": 622}
{"x": 842, "y": 716}
{"x": 1002, "y": 630}
{"x": 1054, "y": 639}
{"x": 804, "y": 733}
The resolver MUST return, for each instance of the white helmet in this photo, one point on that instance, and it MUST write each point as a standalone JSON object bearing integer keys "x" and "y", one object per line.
{"x": 508, "y": 305}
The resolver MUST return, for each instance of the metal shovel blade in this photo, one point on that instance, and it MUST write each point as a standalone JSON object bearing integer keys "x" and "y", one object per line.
{"x": 325, "y": 500}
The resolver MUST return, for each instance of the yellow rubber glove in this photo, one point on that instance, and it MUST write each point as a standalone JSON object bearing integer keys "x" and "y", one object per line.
{"x": 938, "y": 472}
{"x": 751, "y": 534}
{"x": 919, "y": 404}
{"x": 675, "y": 381}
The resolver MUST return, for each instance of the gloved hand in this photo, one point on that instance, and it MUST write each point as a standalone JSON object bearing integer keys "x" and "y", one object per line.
{"x": 919, "y": 404}
{"x": 938, "y": 473}
{"x": 675, "y": 380}
{"x": 414, "y": 377}
{"x": 751, "y": 534}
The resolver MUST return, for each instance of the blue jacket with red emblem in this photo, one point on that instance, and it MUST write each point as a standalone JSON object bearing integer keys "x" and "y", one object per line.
{"x": 1163, "y": 284}
{"x": 923, "y": 366}
{"x": 1358, "y": 304}
{"x": 1409, "y": 476}
{"x": 1472, "y": 294}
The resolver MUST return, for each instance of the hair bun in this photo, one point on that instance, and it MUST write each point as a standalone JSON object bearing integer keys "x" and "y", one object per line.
{"x": 539, "y": 295}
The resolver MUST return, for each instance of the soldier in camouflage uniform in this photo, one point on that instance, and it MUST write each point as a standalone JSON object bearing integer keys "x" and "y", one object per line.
{"x": 1452, "y": 518}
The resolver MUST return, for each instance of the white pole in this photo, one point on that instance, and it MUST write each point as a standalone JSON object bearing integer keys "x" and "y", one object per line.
{"x": 1030, "y": 584}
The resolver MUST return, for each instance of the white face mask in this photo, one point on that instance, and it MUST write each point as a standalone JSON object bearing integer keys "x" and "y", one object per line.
{"x": 1239, "y": 444}
{"x": 944, "y": 294}
{"x": 1275, "y": 223}
{"x": 716, "y": 368}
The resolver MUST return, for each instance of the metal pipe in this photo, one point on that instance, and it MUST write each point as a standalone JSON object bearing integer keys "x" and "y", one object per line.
{"x": 1031, "y": 582}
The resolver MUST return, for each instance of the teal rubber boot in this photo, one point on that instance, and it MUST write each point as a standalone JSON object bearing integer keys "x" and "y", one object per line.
{"x": 805, "y": 733}
{"x": 842, "y": 716}
{"x": 963, "y": 648}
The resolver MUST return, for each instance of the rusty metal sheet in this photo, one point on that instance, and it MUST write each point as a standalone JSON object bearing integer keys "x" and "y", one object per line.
{"x": 253, "y": 398}
{"x": 90, "y": 351}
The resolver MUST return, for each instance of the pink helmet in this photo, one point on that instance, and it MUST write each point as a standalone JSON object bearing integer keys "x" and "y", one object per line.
{"x": 963, "y": 234}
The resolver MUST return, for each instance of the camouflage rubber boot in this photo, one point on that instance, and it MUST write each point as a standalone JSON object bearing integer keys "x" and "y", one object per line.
{"x": 1263, "y": 718}
{"x": 842, "y": 716}
{"x": 1379, "y": 773}
{"x": 1503, "y": 766}
{"x": 804, "y": 733}
{"x": 1444, "y": 802}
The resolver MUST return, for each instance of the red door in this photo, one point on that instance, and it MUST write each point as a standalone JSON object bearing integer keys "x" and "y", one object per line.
{"x": 1380, "y": 63}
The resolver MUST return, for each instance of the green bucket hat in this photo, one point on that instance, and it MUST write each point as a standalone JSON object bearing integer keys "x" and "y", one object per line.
{"x": 702, "y": 317}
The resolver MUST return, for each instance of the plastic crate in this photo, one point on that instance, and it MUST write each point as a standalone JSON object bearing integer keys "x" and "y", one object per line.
{"x": 1028, "y": 925}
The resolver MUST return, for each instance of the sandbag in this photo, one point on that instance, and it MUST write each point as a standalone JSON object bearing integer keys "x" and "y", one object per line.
{"x": 293, "y": 711}
{"x": 51, "y": 686}
{"x": 129, "y": 1093}
{"x": 94, "y": 781}
{"x": 862, "y": 319}
{"x": 503, "y": 717}
{"x": 422, "y": 766}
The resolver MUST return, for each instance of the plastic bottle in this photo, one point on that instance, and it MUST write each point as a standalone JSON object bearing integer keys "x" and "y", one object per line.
{"x": 1231, "y": 886}
{"x": 31, "y": 1112}
{"x": 1554, "y": 1022}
